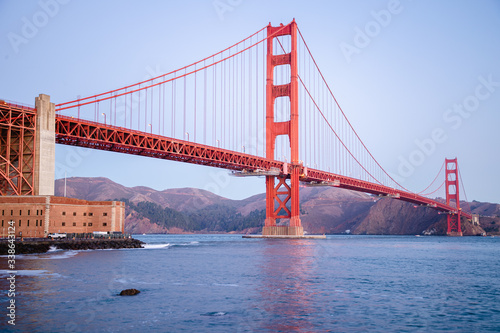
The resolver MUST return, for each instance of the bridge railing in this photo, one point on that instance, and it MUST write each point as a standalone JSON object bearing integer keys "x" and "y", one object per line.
{"x": 17, "y": 105}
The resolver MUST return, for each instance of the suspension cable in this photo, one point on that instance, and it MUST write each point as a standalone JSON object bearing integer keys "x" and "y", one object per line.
{"x": 354, "y": 131}
{"x": 442, "y": 166}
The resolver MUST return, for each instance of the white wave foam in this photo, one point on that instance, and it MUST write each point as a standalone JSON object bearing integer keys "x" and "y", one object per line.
{"x": 53, "y": 248}
{"x": 189, "y": 244}
{"x": 156, "y": 246}
{"x": 225, "y": 284}
{"x": 60, "y": 255}
{"x": 214, "y": 314}
{"x": 51, "y": 254}
{"x": 29, "y": 272}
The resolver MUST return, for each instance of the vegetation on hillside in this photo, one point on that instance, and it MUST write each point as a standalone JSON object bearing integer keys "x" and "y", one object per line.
{"x": 211, "y": 218}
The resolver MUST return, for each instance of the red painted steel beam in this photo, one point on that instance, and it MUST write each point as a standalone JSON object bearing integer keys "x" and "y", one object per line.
{"x": 378, "y": 189}
{"x": 72, "y": 131}
{"x": 17, "y": 148}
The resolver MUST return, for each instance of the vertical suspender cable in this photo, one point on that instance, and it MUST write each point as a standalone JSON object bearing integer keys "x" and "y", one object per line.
{"x": 249, "y": 94}
{"x": 195, "y": 98}
{"x": 139, "y": 113}
{"x": 257, "y": 100}
{"x": 204, "y": 104}
{"x": 159, "y": 108}
{"x": 222, "y": 102}
{"x": 242, "y": 99}
{"x": 214, "y": 101}
{"x": 152, "y": 105}
{"x": 233, "y": 107}
{"x": 164, "y": 112}
{"x": 185, "y": 111}
{"x": 242, "y": 59}
{"x": 110, "y": 111}
{"x": 125, "y": 109}
{"x": 264, "y": 64}
{"x": 173, "y": 107}
{"x": 229, "y": 102}
{"x": 146, "y": 113}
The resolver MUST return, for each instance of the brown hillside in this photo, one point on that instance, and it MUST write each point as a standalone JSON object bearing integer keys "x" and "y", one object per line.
{"x": 323, "y": 209}
{"x": 181, "y": 199}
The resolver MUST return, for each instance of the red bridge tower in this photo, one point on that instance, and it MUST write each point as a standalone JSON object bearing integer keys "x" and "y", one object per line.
{"x": 282, "y": 189}
{"x": 452, "y": 194}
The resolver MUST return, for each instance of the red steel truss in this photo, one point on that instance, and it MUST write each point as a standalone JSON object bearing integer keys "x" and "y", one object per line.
{"x": 17, "y": 156}
{"x": 318, "y": 176}
{"x": 77, "y": 132}
{"x": 17, "y": 149}
{"x": 71, "y": 131}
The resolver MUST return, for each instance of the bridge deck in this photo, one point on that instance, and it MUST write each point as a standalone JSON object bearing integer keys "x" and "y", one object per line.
{"x": 77, "y": 132}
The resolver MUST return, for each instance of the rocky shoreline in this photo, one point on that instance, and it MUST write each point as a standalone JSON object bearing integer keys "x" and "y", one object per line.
{"x": 42, "y": 246}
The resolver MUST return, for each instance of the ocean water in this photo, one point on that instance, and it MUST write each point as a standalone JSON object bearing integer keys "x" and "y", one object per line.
{"x": 224, "y": 283}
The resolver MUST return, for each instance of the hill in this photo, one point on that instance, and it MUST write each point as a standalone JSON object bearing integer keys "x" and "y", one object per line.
{"x": 323, "y": 210}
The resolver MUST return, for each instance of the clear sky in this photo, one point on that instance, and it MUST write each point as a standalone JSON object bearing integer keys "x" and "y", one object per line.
{"x": 419, "y": 80}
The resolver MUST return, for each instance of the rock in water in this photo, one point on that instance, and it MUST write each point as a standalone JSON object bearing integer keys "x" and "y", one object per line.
{"x": 129, "y": 292}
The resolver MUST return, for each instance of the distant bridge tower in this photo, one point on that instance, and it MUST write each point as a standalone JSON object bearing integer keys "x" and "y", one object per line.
{"x": 280, "y": 190}
{"x": 452, "y": 195}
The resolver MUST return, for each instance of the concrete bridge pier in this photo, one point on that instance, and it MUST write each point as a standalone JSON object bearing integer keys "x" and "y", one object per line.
{"x": 45, "y": 146}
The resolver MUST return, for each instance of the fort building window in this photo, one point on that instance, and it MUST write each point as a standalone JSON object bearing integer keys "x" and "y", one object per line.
{"x": 3, "y": 212}
{"x": 20, "y": 212}
{"x": 74, "y": 213}
{"x": 28, "y": 212}
{"x": 28, "y": 223}
{"x": 2, "y": 223}
{"x": 11, "y": 212}
{"x": 91, "y": 214}
{"x": 63, "y": 224}
{"x": 74, "y": 224}
{"x": 41, "y": 223}
{"x": 36, "y": 223}
{"x": 84, "y": 214}
{"x": 104, "y": 214}
{"x": 104, "y": 224}
{"x": 84, "y": 224}
{"x": 19, "y": 222}
{"x": 41, "y": 211}
{"x": 64, "y": 213}
{"x": 90, "y": 224}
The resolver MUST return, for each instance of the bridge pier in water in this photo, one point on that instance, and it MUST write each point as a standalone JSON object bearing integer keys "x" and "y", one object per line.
{"x": 282, "y": 192}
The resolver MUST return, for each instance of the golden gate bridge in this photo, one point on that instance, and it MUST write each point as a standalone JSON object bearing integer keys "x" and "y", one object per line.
{"x": 260, "y": 107}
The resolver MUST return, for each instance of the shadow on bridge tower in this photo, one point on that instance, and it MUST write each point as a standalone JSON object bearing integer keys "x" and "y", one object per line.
{"x": 282, "y": 192}
{"x": 27, "y": 148}
{"x": 452, "y": 197}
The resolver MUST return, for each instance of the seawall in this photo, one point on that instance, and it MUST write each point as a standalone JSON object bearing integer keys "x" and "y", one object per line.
{"x": 42, "y": 246}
